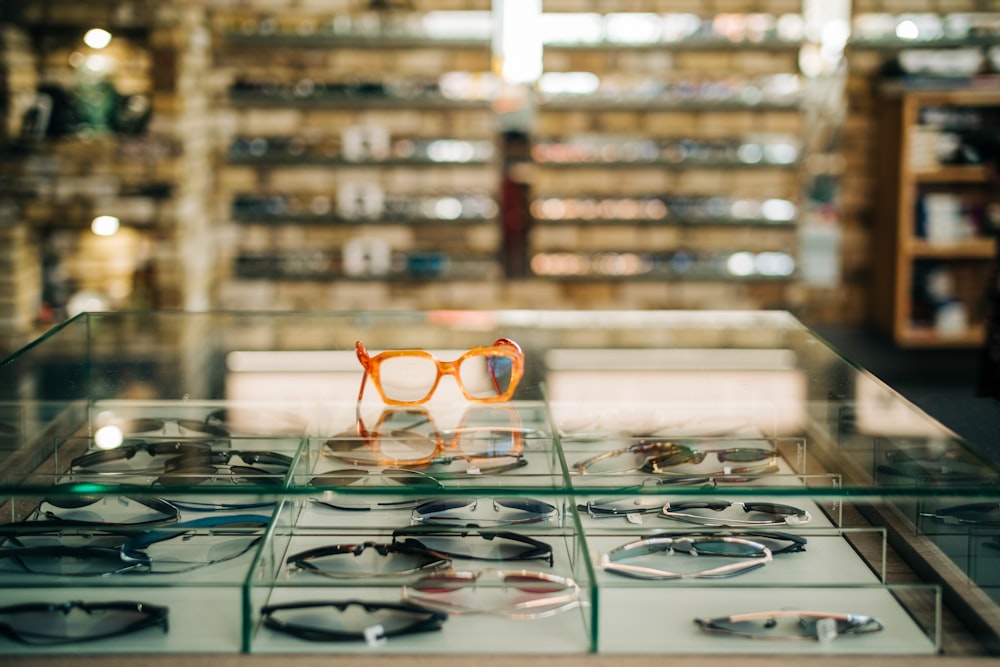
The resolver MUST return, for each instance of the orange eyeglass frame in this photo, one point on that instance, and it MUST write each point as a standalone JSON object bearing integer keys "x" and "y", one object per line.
{"x": 502, "y": 347}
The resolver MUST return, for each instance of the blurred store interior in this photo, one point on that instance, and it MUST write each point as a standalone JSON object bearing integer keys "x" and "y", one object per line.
{"x": 298, "y": 155}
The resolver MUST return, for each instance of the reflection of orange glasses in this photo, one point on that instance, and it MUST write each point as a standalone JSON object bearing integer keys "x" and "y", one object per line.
{"x": 493, "y": 443}
{"x": 485, "y": 374}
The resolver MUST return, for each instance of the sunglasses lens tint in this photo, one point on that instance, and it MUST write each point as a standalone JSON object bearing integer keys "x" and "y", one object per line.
{"x": 537, "y": 585}
{"x": 444, "y": 583}
{"x": 142, "y": 425}
{"x": 484, "y": 512}
{"x": 526, "y": 505}
{"x": 676, "y": 458}
{"x": 187, "y": 552}
{"x": 59, "y": 561}
{"x": 477, "y": 547}
{"x": 772, "y": 508}
{"x": 189, "y": 475}
{"x": 745, "y": 455}
{"x": 720, "y": 548}
{"x": 407, "y": 378}
{"x": 486, "y": 376}
{"x": 439, "y": 506}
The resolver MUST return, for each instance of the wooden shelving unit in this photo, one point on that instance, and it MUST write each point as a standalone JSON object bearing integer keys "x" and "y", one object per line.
{"x": 908, "y": 255}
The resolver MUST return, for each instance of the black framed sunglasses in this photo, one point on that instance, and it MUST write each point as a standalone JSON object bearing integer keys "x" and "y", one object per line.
{"x": 350, "y": 620}
{"x": 49, "y": 624}
{"x": 770, "y": 513}
{"x": 402, "y": 560}
{"x": 485, "y": 545}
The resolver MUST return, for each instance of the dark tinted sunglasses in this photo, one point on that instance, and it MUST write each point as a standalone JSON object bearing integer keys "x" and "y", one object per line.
{"x": 487, "y": 545}
{"x": 350, "y": 620}
{"x": 47, "y": 624}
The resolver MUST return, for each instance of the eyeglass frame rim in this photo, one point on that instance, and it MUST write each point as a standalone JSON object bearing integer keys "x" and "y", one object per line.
{"x": 555, "y": 603}
{"x": 370, "y": 363}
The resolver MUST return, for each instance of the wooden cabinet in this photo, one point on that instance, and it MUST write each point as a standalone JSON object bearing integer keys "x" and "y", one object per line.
{"x": 938, "y": 215}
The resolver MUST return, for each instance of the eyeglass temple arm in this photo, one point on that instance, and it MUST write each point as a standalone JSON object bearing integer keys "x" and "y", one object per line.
{"x": 365, "y": 359}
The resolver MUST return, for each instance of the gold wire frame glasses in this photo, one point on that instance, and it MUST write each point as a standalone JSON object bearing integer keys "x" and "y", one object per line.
{"x": 484, "y": 374}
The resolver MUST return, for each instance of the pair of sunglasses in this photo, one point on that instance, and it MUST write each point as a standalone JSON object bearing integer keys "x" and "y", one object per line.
{"x": 463, "y": 512}
{"x": 350, "y": 620}
{"x": 523, "y": 594}
{"x": 332, "y": 560}
{"x": 484, "y": 545}
{"x": 753, "y": 555}
{"x": 791, "y": 625}
{"x": 758, "y": 513}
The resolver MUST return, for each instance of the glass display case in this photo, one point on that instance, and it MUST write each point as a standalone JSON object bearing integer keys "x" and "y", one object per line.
{"x": 608, "y": 485}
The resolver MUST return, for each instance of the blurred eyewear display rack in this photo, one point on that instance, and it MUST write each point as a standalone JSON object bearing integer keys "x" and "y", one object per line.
{"x": 691, "y": 484}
